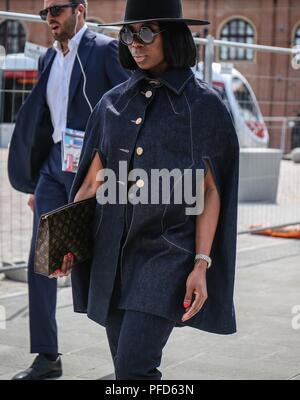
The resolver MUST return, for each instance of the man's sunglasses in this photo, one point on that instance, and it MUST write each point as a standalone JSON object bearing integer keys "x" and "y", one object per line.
{"x": 145, "y": 35}
{"x": 55, "y": 11}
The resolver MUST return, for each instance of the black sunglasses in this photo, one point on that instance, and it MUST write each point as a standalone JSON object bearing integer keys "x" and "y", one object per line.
{"x": 55, "y": 11}
{"x": 145, "y": 35}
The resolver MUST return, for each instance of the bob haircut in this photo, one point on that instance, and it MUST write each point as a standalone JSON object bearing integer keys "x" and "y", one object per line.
{"x": 178, "y": 44}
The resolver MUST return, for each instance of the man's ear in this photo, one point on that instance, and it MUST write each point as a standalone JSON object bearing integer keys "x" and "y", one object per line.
{"x": 81, "y": 9}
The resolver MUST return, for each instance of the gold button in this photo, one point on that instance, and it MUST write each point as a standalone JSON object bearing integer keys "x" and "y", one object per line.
{"x": 140, "y": 183}
{"x": 139, "y": 121}
{"x": 139, "y": 151}
{"x": 148, "y": 94}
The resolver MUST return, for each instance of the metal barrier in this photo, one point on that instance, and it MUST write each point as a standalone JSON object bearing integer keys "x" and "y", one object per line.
{"x": 15, "y": 219}
{"x": 288, "y": 131}
{"x": 283, "y": 176}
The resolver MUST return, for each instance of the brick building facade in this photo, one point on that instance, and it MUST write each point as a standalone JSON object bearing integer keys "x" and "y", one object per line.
{"x": 269, "y": 22}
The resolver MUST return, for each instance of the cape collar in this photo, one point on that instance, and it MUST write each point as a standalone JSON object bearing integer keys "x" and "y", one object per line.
{"x": 175, "y": 79}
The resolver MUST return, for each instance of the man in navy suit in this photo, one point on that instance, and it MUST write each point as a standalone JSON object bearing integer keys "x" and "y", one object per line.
{"x": 73, "y": 75}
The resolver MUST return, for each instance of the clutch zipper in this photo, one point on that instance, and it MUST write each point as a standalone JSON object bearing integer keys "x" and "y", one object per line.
{"x": 45, "y": 216}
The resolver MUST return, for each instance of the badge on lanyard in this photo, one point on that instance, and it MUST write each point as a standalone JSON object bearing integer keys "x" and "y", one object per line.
{"x": 72, "y": 142}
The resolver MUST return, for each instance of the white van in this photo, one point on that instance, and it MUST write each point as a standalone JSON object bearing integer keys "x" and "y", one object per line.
{"x": 240, "y": 99}
{"x": 18, "y": 75}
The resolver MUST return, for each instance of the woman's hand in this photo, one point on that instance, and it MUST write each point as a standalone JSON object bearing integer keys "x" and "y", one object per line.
{"x": 66, "y": 268}
{"x": 195, "y": 284}
{"x": 206, "y": 224}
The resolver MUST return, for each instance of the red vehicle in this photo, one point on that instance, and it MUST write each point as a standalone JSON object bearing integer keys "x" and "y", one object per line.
{"x": 18, "y": 76}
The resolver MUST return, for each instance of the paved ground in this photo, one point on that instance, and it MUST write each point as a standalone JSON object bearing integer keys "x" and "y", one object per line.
{"x": 265, "y": 347}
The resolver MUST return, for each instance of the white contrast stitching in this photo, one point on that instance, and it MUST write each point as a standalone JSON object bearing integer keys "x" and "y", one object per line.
{"x": 192, "y": 156}
{"x": 170, "y": 101}
{"x": 175, "y": 245}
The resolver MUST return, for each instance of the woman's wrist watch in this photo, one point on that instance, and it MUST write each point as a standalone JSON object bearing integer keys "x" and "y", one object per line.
{"x": 203, "y": 257}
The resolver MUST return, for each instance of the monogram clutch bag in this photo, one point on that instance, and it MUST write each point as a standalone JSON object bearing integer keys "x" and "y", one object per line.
{"x": 66, "y": 229}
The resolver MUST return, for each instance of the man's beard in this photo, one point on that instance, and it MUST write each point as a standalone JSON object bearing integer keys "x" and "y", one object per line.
{"x": 67, "y": 30}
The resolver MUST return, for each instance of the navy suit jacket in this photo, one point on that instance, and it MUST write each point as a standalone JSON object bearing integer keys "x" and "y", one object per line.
{"x": 32, "y": 136}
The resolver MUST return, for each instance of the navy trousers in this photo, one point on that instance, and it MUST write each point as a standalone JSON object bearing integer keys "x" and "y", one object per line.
{"x": 136, "y": 342}
{"x": 51, "y": 192}
{"x": 136, "y": 339}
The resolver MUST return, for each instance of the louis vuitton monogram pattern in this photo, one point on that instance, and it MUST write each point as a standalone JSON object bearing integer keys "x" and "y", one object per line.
{"x": 67, "y": 229}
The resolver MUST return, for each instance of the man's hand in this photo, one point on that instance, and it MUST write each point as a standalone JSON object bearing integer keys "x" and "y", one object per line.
{"x": 31, "y": 202}
{"x": 195, "y": 284}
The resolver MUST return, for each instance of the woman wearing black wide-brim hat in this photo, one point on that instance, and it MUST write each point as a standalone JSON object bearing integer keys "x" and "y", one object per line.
{"x": 166, "y": 263}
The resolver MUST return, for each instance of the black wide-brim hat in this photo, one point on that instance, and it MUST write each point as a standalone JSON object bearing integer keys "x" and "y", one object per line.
{"x": 154, "y": 10}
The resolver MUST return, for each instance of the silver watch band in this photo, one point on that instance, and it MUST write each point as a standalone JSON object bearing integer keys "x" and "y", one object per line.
{"x": 203, "y": 257}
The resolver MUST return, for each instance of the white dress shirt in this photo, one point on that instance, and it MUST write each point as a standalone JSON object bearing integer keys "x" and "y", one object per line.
{"x": 59, "y": 82}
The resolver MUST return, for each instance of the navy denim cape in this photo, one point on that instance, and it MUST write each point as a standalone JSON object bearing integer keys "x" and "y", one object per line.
{"x": 184, "y": 125}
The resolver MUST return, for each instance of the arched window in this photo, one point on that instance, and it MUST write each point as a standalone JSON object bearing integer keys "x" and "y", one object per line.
{"x": 237, "y": 30}
{"x": 297, "y": 37}
{"x": 12, "y": 36}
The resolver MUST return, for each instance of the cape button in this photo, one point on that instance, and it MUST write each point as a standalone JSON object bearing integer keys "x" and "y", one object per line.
{"x": 139, "y": 121}
{"x": 140, "y": 183}
{"x": 139, "y": 151}
{"x": 148, "y": 94}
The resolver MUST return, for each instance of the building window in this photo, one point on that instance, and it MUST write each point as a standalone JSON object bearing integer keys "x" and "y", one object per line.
{"x": 297, "y": 37}
{"x": 237, "y": 30}
{"x": 12, "y": 36}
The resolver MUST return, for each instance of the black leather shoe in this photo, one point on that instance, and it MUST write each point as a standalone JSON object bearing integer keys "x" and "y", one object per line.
{"x": 41, "y": 368}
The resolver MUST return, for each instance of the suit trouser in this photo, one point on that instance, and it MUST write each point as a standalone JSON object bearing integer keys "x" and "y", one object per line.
{"x": 51, "y": 192}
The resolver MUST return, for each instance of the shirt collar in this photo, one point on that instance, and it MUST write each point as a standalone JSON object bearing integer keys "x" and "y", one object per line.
{"x": 73, "y": 42}
{"x": 175, "y": 79}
